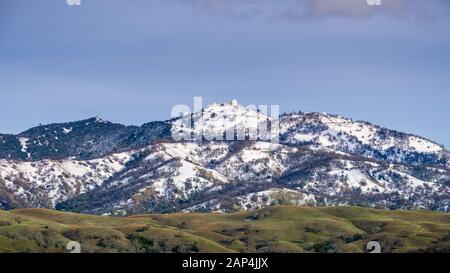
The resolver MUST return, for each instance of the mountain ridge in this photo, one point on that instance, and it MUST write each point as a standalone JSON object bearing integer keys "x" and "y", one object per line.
{"x": 7, "y": 139}
{"x": 96, "y": 166}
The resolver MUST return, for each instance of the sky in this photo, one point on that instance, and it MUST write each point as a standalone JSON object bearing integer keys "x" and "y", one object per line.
{"x": 131, "y": 61}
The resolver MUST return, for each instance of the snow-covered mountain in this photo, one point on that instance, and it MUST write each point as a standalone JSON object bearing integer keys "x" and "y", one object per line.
{"x": 360, "y": 138}
{"x": 95, "y": 166}
{"x": 47, "y": 182}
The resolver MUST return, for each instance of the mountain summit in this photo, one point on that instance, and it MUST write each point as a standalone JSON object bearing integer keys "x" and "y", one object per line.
{"x": 95, "y": 166}
{"x": 227, "y": 121}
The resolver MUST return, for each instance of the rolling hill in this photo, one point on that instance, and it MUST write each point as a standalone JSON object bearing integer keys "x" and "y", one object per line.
{"x": 275, "y": 229}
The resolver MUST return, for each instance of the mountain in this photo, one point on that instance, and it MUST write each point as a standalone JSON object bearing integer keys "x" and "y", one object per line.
{"x": 98, "y": 167}
{"x": 82, "y": 140}
{"x": 270, "y": 230}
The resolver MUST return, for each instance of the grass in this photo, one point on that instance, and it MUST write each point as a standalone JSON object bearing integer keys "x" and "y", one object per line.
{"x": 274, "y": 229}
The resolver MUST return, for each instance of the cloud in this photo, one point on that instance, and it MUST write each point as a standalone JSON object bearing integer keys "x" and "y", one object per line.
{"x": 344, "y": 8}
{"x": 293, "y": 10}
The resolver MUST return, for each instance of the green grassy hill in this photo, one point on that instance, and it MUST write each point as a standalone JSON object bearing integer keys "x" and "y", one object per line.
{"x": 275, "y": 229}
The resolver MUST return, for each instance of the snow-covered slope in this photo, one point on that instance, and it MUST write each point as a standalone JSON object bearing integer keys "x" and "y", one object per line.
{"x": 324, "y": 131}
{"x": 226, "y": 176}
{"x": 225, "y": 121}
{"x": 320, "y": 159}
{"x": 48, "y": 182}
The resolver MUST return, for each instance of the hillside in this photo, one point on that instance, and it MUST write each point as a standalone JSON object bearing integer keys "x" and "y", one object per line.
{"x": 98, "y": 167}
{"x": 274, "y": 229}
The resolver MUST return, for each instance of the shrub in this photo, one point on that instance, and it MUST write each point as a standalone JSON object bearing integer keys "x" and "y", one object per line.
{"x": 5, "y": 223}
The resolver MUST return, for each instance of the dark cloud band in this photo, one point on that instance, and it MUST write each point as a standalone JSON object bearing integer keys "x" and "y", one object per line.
{"x": 313, "y": 9}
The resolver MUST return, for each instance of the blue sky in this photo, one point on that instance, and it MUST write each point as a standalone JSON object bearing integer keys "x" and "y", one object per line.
{"x": 132, "y": 61}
